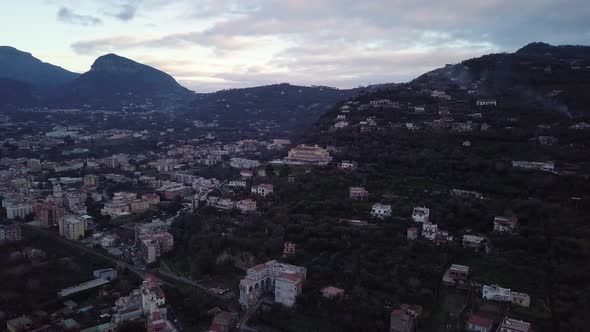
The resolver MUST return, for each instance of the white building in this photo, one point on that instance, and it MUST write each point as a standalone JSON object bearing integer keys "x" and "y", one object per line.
{"x": 262, "y": 189}
{"x": 284, "y": 280}
{"x": 243, "y": 163}
{"x": 72, "y": 227}
{"x": 237, "y": 184}
{"x": 548, "y": 166}
{"x": 473, "y": 241}
{"x": 429, "y": 231}
{"x": 18, "y": 210}
{"x": 381, "y": 211}
{"x": 287, "y": 288}
{"x": 152, "y": 296}
{"x": 496, "y": 293}
{"x": 421, "y": 214}
{"x": 347, "y": 165}
{"x": 505, "y": 225}
{"x": 341, "y": 124}
{"x": 486, "y": 102}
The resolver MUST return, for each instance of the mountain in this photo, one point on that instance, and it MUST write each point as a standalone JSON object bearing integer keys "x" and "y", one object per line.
{"x": 17, "y": 94}
{"x": 562, "y": 51}
{"x": 21, "y": 66}
{"x": 115, "y": 81}
{"x": 550, "y": 77}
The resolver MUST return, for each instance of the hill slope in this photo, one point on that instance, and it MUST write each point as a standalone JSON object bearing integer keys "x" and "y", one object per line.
{"x": 118, "y": 81}
{"x": 551, "y": 77}
{"x": 289, "y": 107}
{"x": 21, "y": 66}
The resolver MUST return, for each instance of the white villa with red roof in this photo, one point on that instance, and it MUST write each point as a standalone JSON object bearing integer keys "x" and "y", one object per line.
{"x": 263, "y": 189}
{"x": 284, "y": 280}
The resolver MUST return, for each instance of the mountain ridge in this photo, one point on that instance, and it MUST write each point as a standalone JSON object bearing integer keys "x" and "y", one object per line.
{"x": 23, "y": 66}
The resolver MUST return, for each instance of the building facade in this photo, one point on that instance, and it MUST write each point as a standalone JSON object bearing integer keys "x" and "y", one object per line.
{"x": 284, "y": 280}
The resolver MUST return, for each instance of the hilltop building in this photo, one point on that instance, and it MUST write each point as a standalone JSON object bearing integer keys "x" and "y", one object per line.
{"x": 309, "y": 155}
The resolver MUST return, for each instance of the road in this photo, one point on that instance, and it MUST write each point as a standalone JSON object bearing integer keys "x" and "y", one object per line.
{"x": 189, "y": 282}
{"x": 157, "y": 272}
{"x": 242, "y": 324}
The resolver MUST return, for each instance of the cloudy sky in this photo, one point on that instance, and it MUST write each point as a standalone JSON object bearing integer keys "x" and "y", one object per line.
{"x": 209, "y": 45}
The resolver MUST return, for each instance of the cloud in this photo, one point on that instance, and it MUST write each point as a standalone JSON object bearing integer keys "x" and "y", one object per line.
{"x": 341, "y": 43}
{"x": 68, "y": 16}
{"x": 124, "y": 11}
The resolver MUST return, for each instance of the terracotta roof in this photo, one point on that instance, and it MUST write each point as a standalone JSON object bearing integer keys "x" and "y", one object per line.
{"x": 291, "y": 277}
{"x": 259, "y": 267}
{"x": 332, "y": 291}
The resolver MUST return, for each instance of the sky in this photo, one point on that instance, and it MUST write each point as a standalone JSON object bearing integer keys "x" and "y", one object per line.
{"x": 209, "y": 45}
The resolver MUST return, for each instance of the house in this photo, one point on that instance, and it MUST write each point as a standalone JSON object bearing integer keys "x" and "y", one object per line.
{"x": 473, "y": 241}
{"x": 262, "y": 189}
{"x": 331, "y": 292}
{"x": 405, "y": 318}
{"x": 420, "y": 214}
{"x": 237, "y": 184}
{"x": 486, "y": 102}
{"x": 246, "y": 205}
{"x": 381, "y": 211}
{"x": 442, "y": 237}
{"x": 514, "y": 325}
{"x": 496, "y": 293}
{"x": 477, "y": 323}
{"x": 521, "y": 299}
{"x": 547, "y": 166}
{"x": 284, "y": 280}
{"x": 341, "y": 124}
{"x": 348, "y": 165}
{"x": 505, "y": 225}
{"x": 466, "y": 194}
{"x": 289, "y": 248}
{"x": 429, "y": 231}
{"x": 456, "y": 275}
{"x": 358, "y": 193}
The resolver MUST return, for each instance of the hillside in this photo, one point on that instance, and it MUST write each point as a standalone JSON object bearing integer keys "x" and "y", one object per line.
{"x": 416, "y": 142}
{"x": 21, "y": 66}
{"x": 115, "y": 81}
{"x": 538, "y": 75}
{"x": 17, "y": 94}
{"x": 288, "y": 107}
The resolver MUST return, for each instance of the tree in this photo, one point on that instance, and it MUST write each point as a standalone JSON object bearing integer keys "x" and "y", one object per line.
{"x": 270, "y": 171}
{"x": 284, "y": 171}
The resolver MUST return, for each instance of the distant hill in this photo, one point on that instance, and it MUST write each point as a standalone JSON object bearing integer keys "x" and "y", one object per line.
{"x": 117, "y": 81}
{"x": 537, "y": 73}
{"x": 21, "y": 66}
{"x": 291, "y": 107}
{"x": 563, "y": 51}
{"x": 538, "y": 84}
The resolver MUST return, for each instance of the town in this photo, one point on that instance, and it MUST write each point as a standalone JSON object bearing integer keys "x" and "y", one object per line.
{"x": 441, "y": 204}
